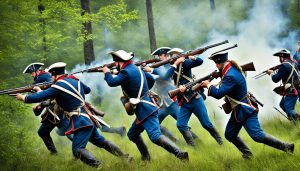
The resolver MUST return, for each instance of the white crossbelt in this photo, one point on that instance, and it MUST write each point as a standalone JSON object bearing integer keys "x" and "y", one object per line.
{"x": 79, "y": 97}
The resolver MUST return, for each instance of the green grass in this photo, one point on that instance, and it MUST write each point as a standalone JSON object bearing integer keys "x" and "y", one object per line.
{"x": 31, "y": 153}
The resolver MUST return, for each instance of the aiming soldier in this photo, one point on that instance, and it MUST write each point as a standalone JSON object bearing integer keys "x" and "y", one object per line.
{"x": 190, "y": 101}
{"x": 163, "y": 85}
{"x": 69, "y": 94}
{"x": 287, "y": 73}
{"x": 244, "y": 110}
{"x": 50, "y": 119}
{"x": 135, "y": 85}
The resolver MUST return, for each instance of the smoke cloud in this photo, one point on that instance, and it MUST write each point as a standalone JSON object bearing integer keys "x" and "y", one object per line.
{"x": 188, "y": 24}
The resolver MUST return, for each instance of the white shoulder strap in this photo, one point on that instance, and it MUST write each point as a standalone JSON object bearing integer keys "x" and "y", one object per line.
{"x": 292, "y": 71}
{"x": 142, "y": 83}
{"x": 77, "y": 95}
{"x": 137, "y": 99}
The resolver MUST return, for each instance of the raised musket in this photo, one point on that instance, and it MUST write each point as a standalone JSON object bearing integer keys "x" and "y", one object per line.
{"x": 96, "y": 69}
{"x": 28, "y": 88}
{"x": 186, "y": 55}
{"x": 265, "y": 72}
{"x": 196, "y": 86}
{"x": 149, "y": 61}
{"x": 111, "y": 65}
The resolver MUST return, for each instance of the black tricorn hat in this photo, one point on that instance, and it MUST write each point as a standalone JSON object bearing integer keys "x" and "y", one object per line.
{"x": 161, "y": 50}
{"x": 32, "y": 67}
{"x": 283, "y": 53}
{"x": 219, "y": 57}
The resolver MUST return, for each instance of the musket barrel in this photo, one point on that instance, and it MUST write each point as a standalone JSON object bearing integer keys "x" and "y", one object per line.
{"x": 194, "y": 52}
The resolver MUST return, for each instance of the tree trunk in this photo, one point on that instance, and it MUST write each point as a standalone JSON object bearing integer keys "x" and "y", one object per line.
{"x": 151, "y": 25}
{"x": 41, "y": 8}
{"x": 88, "y": 47}
{"x": 212, "y": 5}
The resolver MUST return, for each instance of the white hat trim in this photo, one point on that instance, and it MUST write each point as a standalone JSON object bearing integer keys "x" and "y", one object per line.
{"x": 159, "y": 49}
{"x": 122, "y": 54}
{"x": 175, "y": 50}
{"x": 31, "y": 65}
{"x": 56, "y": 65}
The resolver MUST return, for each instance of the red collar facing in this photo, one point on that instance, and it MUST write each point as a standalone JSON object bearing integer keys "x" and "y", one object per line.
{"x": 126, "y": 63}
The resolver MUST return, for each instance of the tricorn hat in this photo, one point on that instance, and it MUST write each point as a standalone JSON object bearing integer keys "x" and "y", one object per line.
{"x": 121, "y": 55}
{"x": 219, "y": 57}
{"x": 57, "y": 68}
{"x": 160, "y": 51}
{"x": 175, "y": 50}
{"x": 283, "y": 53}
{"x": 32, "y": 67}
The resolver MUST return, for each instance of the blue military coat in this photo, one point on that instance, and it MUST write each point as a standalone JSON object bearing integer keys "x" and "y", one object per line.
{"x": 42, "y": 77}
{"x": 164, "y": 83}
{"x": 283, "y": 73}
{"x": 186, "y": 70}
{"x": 65, "y": 101}
{"x": 233, "y": 85}
{"x": 130, "y": 80}
{"x": 296, "y": 56}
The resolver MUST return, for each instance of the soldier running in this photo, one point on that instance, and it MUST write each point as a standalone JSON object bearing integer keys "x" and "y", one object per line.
{"x": 69, "y": 94}
{"x": 135, "y": 85}
{"x": 244, "y": 111}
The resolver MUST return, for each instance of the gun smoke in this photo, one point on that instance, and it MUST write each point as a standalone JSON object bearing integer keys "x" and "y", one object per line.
{"x": 188, "y": 25}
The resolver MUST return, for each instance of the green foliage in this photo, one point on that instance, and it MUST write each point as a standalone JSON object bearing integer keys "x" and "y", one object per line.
{"x": 113, "y": 16}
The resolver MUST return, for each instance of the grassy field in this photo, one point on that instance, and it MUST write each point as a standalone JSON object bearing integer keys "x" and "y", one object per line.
{"x": 208, "y": 155}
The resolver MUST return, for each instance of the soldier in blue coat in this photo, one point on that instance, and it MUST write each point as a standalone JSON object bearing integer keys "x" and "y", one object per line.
{"x": 135, "y": 85}
{"x": 49, "y": 121}
{"x": 296, "y": 55}
{"x": 163, "y": 85}
{"x": 287, "y": 73}
{"x": 190, "y": 101}
{"x": 69, "y": 94}
{"x": 244, "y": 111}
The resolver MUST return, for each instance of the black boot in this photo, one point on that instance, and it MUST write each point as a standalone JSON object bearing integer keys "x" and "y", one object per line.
{"x": 214, "y": 133}
{"x": 115, "y": 150}
{"x": 139, "y": 142}
{"x": 193, "y": 134}
{"x": 86, "y": 157}
{"x": 295, "y": 117}
{"x": 274, "y": 142}
{"x": 246, "y": 153}
{"x": 188, "y": 138}
{"x": 167, "y": 133}
{"x": 49, "y": 144}
{"x": 118, "y": 130}
{"x": 167, "y": 144}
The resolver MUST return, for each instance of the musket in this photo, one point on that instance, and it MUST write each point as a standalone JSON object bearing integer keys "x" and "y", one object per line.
{"x": 24, "y": 89}
{"x": 111, "y": 65}
{"x": 265, "y": 72}
{"x": 96, "y": 69}
{"x": 281, "y": 113}
{"x": 192, "y": 85}
{"x": 186, "y": 55}
{"x": 149, "y": 61}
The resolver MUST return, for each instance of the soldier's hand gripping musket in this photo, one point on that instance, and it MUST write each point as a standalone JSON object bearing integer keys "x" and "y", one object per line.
{"x": 28, "y": 88}
{"x": 196, "y": 85}
{"x": 186, "y": 55}
{"x": 266, "y": 71}
{"x": 96, "y": 69}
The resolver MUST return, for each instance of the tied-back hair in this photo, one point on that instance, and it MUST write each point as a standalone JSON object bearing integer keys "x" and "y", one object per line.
{"x": 234, "y": 63}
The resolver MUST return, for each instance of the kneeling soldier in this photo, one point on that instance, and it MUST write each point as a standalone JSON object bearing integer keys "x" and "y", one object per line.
{"x": 244, "y": 112}
{"x": 69, "y": 94}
